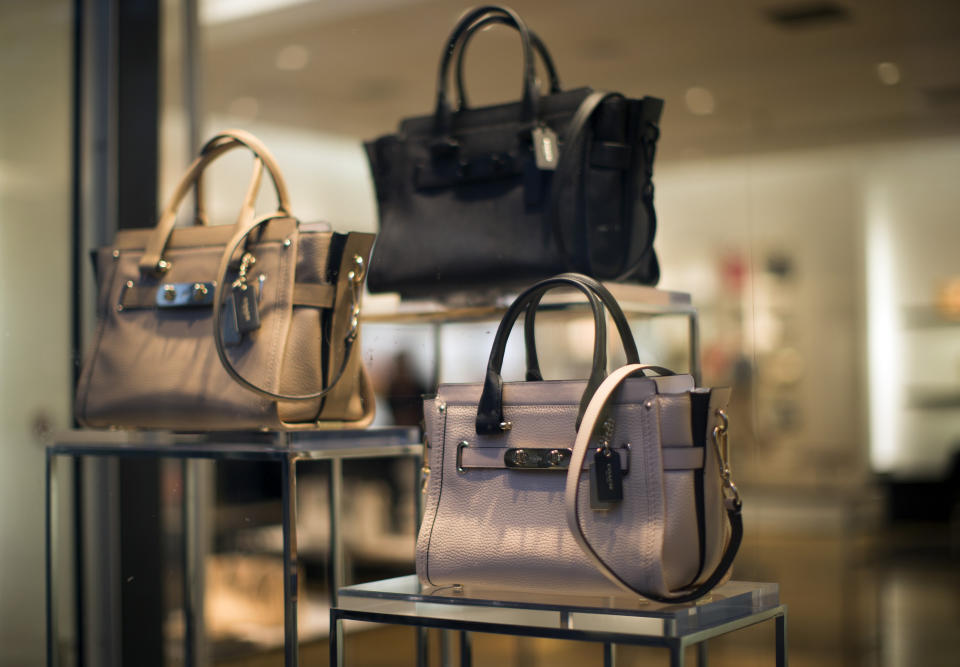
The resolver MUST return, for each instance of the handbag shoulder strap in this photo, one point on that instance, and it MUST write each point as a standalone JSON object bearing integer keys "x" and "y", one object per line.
{"x": 591, "y": 419}
{"x": 354, "y": 278}
{"x": 567, "y": 190}
{"x": 539, "y": 48}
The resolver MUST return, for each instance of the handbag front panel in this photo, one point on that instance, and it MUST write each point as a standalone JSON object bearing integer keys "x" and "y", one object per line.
{"x": 158, "y": 367}
{"x": 507, "y": 528}
{"x": 465, "y": 210}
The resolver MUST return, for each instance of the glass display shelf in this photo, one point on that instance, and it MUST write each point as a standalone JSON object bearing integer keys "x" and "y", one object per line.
{"x": 286, "y": 449}
{"x": 259, "y": 445}
{"x": 609, "y": 620}
{"x": 636, "y": 301}
{"x": 632, "y": 298}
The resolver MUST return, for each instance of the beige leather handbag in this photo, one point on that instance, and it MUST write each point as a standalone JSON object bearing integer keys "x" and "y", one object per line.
{"x": 599, "y": 487}
{"x": 229, "y": 327}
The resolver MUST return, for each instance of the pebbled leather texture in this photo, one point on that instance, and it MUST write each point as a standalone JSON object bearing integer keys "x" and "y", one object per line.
{"x": 507, "y": 528}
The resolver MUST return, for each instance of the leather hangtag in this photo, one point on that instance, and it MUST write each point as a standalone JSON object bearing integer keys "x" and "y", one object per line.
{"x": 231, "y": 334}
{"x": 246, "y": 309}
{"x": 606, "y": 479}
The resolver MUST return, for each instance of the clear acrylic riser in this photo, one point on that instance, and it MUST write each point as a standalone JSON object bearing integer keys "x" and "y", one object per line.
{"x": 286, "y": 449}
{"x": 608, "y": 620}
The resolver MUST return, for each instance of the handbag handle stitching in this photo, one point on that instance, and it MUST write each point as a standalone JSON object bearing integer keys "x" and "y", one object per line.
{"x": 490, "y": 408}
{"x": 490, "y": 418}
{"x": 539, "y": 48}
{"x": 258, "y": 148}
{"x": 531, "y": 96}
{"x": 151, "y": 261}
{"x": 623, "y": 327}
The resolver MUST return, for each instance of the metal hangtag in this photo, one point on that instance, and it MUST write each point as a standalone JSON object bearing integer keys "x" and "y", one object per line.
{"x": 546, "y": 148}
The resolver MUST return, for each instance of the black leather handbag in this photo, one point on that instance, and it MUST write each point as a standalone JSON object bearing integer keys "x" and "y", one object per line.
{"x": 495, "y": 197}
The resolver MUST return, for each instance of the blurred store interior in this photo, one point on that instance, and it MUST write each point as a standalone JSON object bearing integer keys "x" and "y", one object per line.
{"x": 807, "y": 197}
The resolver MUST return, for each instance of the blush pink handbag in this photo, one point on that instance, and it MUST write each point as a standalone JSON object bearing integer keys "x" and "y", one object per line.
{"x": 594, "y": 487}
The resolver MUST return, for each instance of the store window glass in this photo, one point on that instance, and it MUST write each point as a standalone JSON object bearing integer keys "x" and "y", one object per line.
{"x": 806, "y": 199}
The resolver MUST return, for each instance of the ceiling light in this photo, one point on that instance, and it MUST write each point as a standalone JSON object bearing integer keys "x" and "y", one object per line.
{"x": 888, "y": 73}
{"x": 292, "y": 58}
{"x": 699, "y": 101}
{"x": 222, "y": 11}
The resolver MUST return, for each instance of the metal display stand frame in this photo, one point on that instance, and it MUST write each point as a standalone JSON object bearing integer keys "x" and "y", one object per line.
{"x": 285, "y": 449}
{"x": 403, "y": 601}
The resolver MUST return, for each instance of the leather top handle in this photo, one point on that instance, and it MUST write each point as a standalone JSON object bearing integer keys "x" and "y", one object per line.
{"x": 623, "y": 327}
{"x": 531, "y": 96}
{"x": 539, "y": 48}
{"x": 490, "y": 418}
{"x": 152, "y": 260}
{"x": 257, "y": 147}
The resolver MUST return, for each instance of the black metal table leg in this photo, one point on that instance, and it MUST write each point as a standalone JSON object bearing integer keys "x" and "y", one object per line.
{"x": 52, "y": 639}
{"x": 291, "y": 646}
{"x": 781, "y": 623}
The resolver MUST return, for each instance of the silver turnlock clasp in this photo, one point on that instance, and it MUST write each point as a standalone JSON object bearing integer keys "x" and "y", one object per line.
{"x": 179, "y": 295}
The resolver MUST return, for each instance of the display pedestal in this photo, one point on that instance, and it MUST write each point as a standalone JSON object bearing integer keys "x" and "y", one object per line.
{"x": 626, "y": 620}
{"x": 284, "y": 449}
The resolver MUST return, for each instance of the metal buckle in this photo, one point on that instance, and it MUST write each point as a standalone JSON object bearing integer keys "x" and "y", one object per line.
{"x": 535, "y": 458}
{"x": 721, "y": 447}
{"x": 179, "y": 295}
{"x": 532, "y": 458}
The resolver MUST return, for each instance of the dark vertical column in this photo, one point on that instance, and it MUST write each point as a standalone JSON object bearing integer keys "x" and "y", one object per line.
{"x": 141, "y": 550}
{"x": 119, "y": 561}
{"x": 138, "y": 98}
{"x": 76, "y": 322}
{"x": 141, "y": 563}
